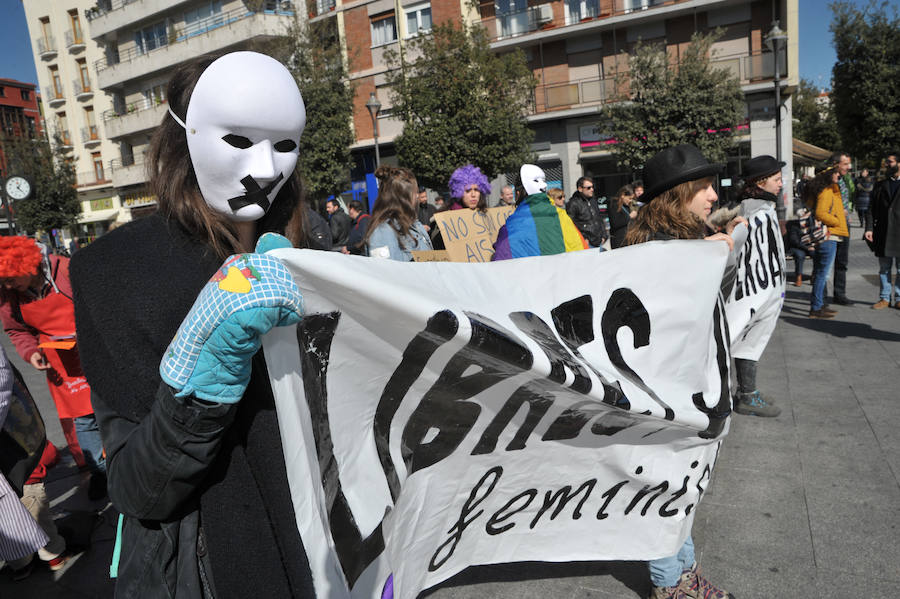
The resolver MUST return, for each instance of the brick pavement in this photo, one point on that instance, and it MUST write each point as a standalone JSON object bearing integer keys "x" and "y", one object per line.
{"x": 806, "y": 505}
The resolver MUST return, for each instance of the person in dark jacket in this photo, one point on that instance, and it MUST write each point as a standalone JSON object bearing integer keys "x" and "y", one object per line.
{"x": 883, "y": 230}
{"x": 424, "y": 210}
{"x": 585, "y": 213}
{"x": 340, "y": 223}
{"x": 194, "y": 455}
{"x": 794, "y": 243}
{"x": 864, "y": 185}
{"x": 356, "y": 242}
{"x": 620, "y": 216}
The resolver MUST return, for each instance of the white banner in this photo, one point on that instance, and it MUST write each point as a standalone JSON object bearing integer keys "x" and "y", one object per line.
{"x": 758, "y": 294}
{"x": 440, "y": 415}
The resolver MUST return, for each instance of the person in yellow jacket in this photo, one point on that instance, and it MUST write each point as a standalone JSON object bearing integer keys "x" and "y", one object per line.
{"x": 824, "y": 200}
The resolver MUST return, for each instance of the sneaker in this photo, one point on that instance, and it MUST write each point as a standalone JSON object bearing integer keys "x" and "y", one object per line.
{"x": 59, "y": 561}
{"x": 695, "y": 582}
{"x": 821, "y": 313}
{"x": 97, "y": 486}
{"x": 676, "y": 592}
{"x": 753, "y": 404}
{"x": 882, "y": 303}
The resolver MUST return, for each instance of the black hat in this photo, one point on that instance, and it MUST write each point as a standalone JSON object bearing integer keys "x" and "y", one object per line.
{"x": 674, "y": 166}
{"x": 760, "y": 167}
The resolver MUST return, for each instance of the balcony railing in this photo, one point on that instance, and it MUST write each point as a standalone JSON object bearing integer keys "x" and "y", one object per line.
{"x": 82, "y": 88}
{"x": 131, "y": 108}
{"x": 74, "y": 40}
{"x": 65, "y": 138}
{"x": 194, "y": 29}
{"x": 90, "y": 134}
{"x": 126, "y": 162}
{"x": 320, "y": 7}
{"x": 53, "y": 96}
{"x": 94, "y": 177}
{"x": 540, "y": 17}
{"x": 46, "y": 46}
{"x": 598, "y": 91}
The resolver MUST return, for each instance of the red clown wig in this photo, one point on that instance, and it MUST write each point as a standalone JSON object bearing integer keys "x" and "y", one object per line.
{"x": 19, "y": 256}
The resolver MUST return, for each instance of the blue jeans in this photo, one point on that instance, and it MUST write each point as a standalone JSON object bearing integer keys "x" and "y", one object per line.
{"x": 799, "y": 258}
{"x": 884, "y": 273}
{"x": 822, "y": 261}
{"x": 88, "y": 434}
{"x": 665, "y": 571}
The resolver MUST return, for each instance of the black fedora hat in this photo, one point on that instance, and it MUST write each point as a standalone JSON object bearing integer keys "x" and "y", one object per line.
{"x": 674, "y": 166}
{"x": 760, "y": 167}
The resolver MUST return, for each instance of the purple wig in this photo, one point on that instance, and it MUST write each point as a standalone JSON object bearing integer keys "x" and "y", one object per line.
{"x": 465, "y": 176}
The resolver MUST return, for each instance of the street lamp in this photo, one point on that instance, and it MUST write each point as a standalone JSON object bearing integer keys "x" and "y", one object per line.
{"x": 374, "y": 107}
{"x": 775, "y": 40}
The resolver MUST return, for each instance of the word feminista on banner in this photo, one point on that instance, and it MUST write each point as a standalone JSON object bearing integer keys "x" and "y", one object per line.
{"x": 440, "y": 415}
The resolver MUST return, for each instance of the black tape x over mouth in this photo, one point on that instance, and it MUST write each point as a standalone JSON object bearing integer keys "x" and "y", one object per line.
{"x": 255, "y": 194}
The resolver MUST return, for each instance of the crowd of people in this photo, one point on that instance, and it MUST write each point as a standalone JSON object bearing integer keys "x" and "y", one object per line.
{"x": 164, "y": 382}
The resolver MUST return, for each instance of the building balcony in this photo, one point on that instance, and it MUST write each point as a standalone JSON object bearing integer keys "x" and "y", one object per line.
{"x": 74, "y": 41}
{"x": 83, "y": 90}
{"x": 588, "y": 94}
{"x": 90, "y": 136}
{"x": 218, "y": 32}
{"x": 320, "y": 7}
{"x": 128, "y": 173}
{"x": 91, "y": 179}
{"x": 542, "y": 23}
{"x": 109, "y": 15}
{"x": 46, "y": 47}
{"x": 53, "y": 97}
{"x": 143, "y": 115}
{"x": 65, "y": 139}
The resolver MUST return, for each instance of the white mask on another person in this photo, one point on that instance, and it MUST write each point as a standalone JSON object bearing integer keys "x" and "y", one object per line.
{"x": 533, "y": 179}
{"x": 243, "y": 126}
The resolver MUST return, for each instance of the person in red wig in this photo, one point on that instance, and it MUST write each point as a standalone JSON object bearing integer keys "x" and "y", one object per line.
{"x": 37, "y": 313}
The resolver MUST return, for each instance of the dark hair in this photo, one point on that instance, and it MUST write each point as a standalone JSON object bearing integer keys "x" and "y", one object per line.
{"x": 636, "y": 184}
{"x": 893, "y": 153}
{"x": 669, "y": 213}
{"x": 356, "y": 205}
{"x": 174, "y": 182}
{"x": 336, "y": 203}
{"x": 836, "y": 157}
{"x": 395, "y": 204}
{"x": 624, "y": 191}
{"x": 581, "y": 180}
{"x": 817, "y": 185}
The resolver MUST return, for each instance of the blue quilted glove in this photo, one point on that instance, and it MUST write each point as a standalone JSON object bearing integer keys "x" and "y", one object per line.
{"x": 210, "y": 356}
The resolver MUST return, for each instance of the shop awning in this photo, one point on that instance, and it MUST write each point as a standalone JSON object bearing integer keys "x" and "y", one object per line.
{"x": 805, "y": 153}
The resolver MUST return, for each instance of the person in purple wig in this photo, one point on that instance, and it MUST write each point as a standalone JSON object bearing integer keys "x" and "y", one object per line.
{"x": 469, "y": 187}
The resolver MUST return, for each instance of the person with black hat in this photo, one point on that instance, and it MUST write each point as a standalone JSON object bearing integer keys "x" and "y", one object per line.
{"x": 754, "y": 306}
{"x": 679, "y": 195}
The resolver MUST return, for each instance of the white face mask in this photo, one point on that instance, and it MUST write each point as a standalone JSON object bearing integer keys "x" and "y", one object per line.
{"x": 533, "y": 179}
{"x": 243, "y": 126}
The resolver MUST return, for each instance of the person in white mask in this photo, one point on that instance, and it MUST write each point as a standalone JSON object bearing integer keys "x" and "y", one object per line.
{"x": 169, "y": 339}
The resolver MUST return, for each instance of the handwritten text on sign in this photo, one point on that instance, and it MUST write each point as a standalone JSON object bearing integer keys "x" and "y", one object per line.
{"x": 469, "y": 235}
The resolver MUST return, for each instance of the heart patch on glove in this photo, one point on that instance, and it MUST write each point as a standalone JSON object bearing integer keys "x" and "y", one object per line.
{"x": 234, "y": 276}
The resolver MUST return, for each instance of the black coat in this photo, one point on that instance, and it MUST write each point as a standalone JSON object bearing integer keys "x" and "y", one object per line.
{"x": 203, "y": 488}
{"x": 618, "y": 225}
{"x": 355, "y": 243}
{"x": 340, "y": 228}
{"x": 883, "y": 219}
{"x": 425, "y": 212}
{"x": 585, "y": 213}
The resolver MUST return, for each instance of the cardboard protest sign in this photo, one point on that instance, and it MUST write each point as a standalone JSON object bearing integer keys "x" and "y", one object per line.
{"x": 755, "y": 302}
{"x": 438, "y": 415}
{"x": 431, "y": 256}
{"x": 469, "y": 235}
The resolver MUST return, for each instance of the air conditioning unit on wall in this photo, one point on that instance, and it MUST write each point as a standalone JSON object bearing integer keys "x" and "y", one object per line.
{"x": 543, "y": 14}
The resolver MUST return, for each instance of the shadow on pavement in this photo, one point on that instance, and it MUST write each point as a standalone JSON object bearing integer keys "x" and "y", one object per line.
{"x": 842, "y": 328}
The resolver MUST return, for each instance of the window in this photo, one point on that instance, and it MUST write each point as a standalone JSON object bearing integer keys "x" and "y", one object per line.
{"x": 57, "y": 84}
{"x": 77, "y": 36}
{"x": 155, "y": 95}
{"x": 2, "y": 92}
{"x": 98, "y": 166}
{"x": 31, "y": 130}
{"x": 384, "y": 30}
{"x": 203, "y": 18}
{"x": 91, "y": 122}
{"x": 150, "y": 38}
{"x": 45, "y": 28}
{"x": 577, "y": 10}
{"x": 63, "y": 128}
{"x": 512, "y": 17}
{"x": 84, "y": 74}
{"x": 418, "y": 19}
{"x": 26, "y": 95}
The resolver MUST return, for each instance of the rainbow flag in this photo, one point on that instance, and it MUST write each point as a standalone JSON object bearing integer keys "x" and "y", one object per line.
{"x": 537, "y": 228}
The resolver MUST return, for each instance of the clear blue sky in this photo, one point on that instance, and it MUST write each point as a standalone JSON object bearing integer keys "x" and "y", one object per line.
{"x": 816, "y": 53}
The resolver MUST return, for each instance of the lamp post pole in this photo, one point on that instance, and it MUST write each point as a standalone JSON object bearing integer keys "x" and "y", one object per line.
{"x": 374, "y": 107}
{"x": 774, "y": 39}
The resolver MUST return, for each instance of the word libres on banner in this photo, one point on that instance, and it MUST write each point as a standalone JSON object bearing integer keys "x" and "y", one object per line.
{"x": 440, "y": 415}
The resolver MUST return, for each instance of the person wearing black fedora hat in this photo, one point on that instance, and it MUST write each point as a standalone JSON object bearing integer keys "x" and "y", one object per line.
{"x": 679, "y": 194}
{"x": 757, "y": 298}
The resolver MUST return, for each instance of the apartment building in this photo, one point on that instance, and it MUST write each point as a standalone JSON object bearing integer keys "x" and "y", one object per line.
{"x": 72, "y": 105}
{"x": 574, "y": 48}
{"x": 20, "y": 115}
{"x": 141, "y": 42}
